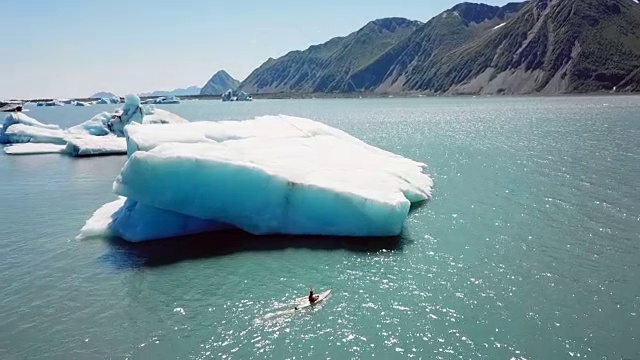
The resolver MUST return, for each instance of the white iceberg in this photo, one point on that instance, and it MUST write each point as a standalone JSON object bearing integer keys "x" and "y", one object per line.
{"x": 101, "y": 135}
{"x": 34, "y": 148}
{"x": 50, "y": 103}
{"x": 163, "y": 100}
{"x": 136, "y": 222}
{"x": 277, "y": 127}
{"x": 95, "y": 145}
{"x": 159, "y": 116}
{"x": 20, "y": 128}
{"x": 21, "y": 118}
{"x": 131, "y": 112}
{"x": 96, "y": 126}
{"x": 271, "y": 175}
{"x": 20, "y": 133}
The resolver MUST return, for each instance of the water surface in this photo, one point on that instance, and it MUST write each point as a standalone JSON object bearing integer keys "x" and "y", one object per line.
{"x": 529, "y": 248}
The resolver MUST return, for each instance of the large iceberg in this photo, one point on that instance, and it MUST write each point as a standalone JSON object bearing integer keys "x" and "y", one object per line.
{"x": 101, "y": 135}
{"x": 269, "y": 175}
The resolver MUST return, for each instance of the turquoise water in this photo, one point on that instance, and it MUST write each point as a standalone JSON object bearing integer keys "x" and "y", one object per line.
{"x": 529, "y": 248}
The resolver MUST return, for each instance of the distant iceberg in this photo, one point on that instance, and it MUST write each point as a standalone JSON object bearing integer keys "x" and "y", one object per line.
{"x": 50, "y": 103}
{"x": 269, "y": 175}
{"x": 231, "y": 95}
{"x": 107, "y": 101}
{"x": 163, "y": 100}
{"x": 101, "y": 135}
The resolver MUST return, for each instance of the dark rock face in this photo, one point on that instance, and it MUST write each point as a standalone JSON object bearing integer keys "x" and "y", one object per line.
{"x": 220, "y": 82}
{"x": 536, "y": 46}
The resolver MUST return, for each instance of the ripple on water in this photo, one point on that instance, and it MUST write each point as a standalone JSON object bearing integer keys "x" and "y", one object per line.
{"x": 528, "y": 249}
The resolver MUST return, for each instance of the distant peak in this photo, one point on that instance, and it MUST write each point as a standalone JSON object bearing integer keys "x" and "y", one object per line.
{"x": 477, "y": 12}
{"x": 391, "y": 24}
{"x": 220, "y": 82}
{"x": 221, "y": 73}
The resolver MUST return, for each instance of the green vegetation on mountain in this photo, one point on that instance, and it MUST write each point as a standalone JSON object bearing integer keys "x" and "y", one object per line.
{"x": 537, "y": 46}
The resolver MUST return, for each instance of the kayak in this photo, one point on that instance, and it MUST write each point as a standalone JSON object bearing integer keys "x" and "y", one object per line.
{"x": 303, "y": 302}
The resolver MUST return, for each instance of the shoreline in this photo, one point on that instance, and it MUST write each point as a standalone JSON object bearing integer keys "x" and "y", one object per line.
{"x": 361, "y": 95}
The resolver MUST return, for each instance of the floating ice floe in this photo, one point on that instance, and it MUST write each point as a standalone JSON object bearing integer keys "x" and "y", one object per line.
{"x": 269, "y": 175}
{"x": 95, "y": 145}
{"x": 101, "y": 135}
{"x": 163, "y": 100}
{"x": 34, "y": 149}
{"x": 50, "y": 103}
{"x": 20, "y": 128}
{"x": 106, "y": 101}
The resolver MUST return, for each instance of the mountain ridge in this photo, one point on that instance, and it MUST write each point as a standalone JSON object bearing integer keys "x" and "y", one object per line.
{"x": 535, "y": 46}
{"x": 326, "y": 67}
{"x": 191, "y": 90}
{"x": 102, "y": 94}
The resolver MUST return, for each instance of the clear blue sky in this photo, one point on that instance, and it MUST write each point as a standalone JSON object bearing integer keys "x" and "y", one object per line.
{"x": 74, "y": 48}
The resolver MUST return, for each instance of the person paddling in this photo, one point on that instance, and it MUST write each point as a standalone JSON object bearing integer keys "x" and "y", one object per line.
{"x": 312, "y": 297}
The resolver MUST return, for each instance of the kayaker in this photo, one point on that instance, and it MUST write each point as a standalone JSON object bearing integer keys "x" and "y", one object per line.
{"x": 313, "y": 298}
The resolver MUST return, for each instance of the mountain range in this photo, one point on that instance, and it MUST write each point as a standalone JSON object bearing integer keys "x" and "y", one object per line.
{"x": 536, "y": 46}
{"x": 102, "y": 94}
{"x": 220, "y": 82}
{"x": 192, "y": 90}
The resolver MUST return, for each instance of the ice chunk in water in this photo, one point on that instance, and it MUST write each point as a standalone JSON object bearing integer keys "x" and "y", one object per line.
{"x": 136, "y": 222}
{"x": 270, "y": 175}
{"x": 34, "y": 148}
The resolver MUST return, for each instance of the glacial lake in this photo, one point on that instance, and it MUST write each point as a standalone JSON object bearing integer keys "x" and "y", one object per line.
{"x": 529, "y": 248}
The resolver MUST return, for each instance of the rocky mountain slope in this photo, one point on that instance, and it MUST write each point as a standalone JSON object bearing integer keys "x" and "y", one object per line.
{"x": 537, "y": 46}
{"x": 328, "y": 67}
{"x": 219, "y": 83}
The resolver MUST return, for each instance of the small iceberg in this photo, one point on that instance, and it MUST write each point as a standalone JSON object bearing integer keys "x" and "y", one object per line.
{"x": 101, "y": 135}
{"x": 50, "y": 103}
{"x": 34, "y": 149}
{"x": 95, "y": 145}
{"x": 269, "y": 175}
{"x": 21, "y": 133}
{"x": 231, "y": 95}
{"x": 163, "y": 100}
{"x": 107, "y": 101}
{"x": 20, "y": 128}
{"x": 12, "y": 107}
{"x": 243, "y": 96}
